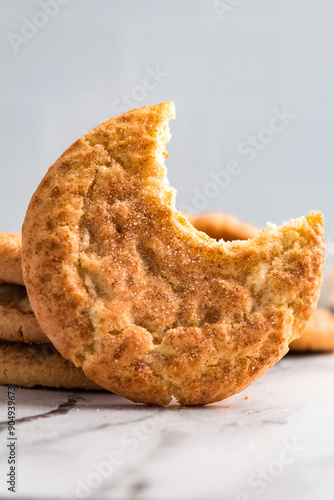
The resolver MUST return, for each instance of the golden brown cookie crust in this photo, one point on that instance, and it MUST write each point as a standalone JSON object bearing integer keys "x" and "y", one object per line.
{"x": 10, "y": 258}
{"x": 17, "y": 326}
{"x": 318, "y": 334}
{"x": 17, "y": 320}
{"x": 223, "y": 226}
{"x": 151, "y": 308}
{"x": 39, "y": 365}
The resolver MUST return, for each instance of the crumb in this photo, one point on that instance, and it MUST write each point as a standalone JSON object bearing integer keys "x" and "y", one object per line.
{"x": 229, "y": 406}
{"x": 246, "y": 396}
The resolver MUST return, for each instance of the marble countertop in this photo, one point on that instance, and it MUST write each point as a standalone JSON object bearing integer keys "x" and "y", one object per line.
{"x": 275, "y": 440}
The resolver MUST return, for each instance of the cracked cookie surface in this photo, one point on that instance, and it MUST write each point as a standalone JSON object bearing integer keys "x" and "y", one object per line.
{"x": 150, "y": 307}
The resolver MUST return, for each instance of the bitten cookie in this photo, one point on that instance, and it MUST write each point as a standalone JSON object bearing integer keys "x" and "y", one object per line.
{"x": 151, "y": 308}
{"x": 39, "y": 365}
{"x": 319, "y": 332}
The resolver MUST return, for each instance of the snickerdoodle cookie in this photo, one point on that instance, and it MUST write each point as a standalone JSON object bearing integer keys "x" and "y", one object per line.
{"x": 151, "y": 308}
{"x": 10, "y": 258}
{"x": 318, "y": 334}
{"x": 30, "y": 365}
{"x": 17, "y": 320}
{"x": 222, "y": 226}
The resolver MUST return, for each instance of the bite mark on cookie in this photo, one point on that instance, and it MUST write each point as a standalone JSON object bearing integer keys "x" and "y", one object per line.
{"x": 150, "y": 307}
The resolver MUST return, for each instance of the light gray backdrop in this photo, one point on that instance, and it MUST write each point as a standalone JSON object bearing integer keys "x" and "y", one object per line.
{"x": 252, "y": 81}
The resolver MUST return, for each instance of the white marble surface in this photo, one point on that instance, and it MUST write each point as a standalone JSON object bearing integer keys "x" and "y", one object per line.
{"x": 277, "y": 444}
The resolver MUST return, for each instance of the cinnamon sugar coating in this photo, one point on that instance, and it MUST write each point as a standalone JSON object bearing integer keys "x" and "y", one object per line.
{"x": 151, "y": 308}
{"x": 318, "y": 334}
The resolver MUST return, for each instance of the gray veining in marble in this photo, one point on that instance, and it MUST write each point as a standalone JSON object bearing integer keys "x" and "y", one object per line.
{"x": 277, "y": 444}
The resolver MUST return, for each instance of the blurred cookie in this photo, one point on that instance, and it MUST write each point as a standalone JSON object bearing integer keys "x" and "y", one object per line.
{"x": 39, "y": 365}
{"x": 318, "y": 334}
{"x": 223, "y": 226}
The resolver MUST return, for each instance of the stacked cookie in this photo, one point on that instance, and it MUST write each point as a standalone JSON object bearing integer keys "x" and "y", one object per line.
{"x": 139, "y": 300}
{"x": 27, "y": 358}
